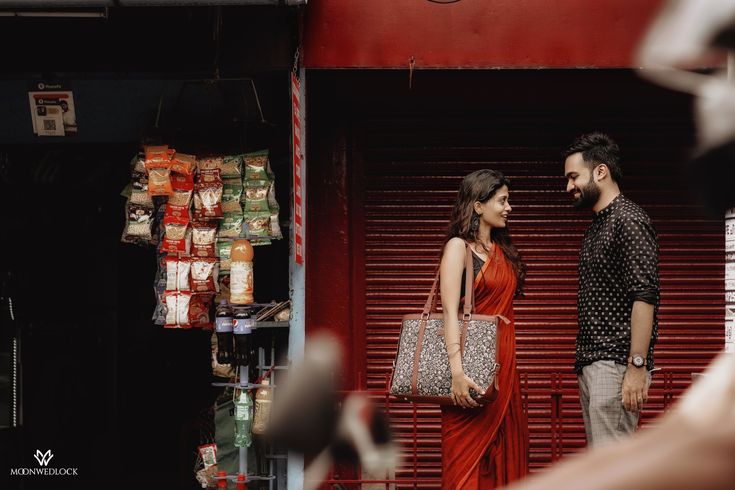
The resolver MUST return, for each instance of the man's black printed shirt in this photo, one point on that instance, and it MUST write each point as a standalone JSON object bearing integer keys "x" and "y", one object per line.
{"x": 618, "y": 265}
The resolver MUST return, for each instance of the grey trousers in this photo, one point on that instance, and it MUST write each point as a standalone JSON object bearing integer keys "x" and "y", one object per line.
{"x": 600, "y": 393}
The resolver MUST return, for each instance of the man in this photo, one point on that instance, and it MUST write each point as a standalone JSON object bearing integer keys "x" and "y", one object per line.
{"x": 618, "y": 292}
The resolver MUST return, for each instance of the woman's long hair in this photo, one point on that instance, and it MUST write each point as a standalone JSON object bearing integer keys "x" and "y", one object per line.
{"x": 481, "y": 186}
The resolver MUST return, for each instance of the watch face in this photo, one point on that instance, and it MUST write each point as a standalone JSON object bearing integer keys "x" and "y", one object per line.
{"x": 638, "y": 361}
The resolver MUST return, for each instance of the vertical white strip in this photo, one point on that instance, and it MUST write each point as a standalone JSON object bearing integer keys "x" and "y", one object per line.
{"x": 296, "y": 336}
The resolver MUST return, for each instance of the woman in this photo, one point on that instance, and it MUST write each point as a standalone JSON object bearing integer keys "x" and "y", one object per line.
{"x": 482, "y": 446}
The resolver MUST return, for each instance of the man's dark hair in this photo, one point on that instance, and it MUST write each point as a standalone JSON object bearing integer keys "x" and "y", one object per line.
{"x": 597, "y": 148}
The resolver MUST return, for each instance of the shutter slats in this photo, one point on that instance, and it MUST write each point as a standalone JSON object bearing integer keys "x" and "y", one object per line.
{"x": 411, "y": 173}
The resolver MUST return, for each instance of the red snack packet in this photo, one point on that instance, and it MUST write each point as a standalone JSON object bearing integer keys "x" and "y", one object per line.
{"x": 209, "y": 190}
{"x": 199, "y": 308}
{"x": 203, "y": 275}
{"x": 204, "y": 234}
{"x": 177, "y": 309}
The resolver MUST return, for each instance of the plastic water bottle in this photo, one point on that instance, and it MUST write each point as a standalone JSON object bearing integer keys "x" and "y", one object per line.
{"x": 241, "y": 273}
{"x": 243, "y": 420}
{"x": 224, "y": 325}
{"x": 263, "y": 401}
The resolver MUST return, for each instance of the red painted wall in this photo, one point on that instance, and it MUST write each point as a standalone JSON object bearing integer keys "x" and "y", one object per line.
{"x": 474, "y": 33}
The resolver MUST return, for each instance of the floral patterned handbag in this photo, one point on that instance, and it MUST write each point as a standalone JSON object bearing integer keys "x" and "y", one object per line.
{"x": 421, "y": 370}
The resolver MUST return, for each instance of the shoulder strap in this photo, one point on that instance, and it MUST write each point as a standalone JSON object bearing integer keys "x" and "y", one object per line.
{"x": 469, "y": 292}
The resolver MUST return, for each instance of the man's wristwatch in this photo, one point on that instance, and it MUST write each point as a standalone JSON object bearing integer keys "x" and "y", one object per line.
{"x": 637, "y": 360}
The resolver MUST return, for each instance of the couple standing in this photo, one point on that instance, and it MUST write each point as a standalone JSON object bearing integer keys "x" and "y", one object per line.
{"x": 487, "y": 447}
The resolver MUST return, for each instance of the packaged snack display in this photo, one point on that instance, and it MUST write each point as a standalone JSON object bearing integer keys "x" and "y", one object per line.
{"x": 203, "y": 239}
{"x": 199, "y": 307}
{"x": 177, "y": 309}
{"x": 230, "y": 226}
{"x": 256, "y": 195}
{"x": 204, "y": 274}
{"x": 224, "y": 248}
{"x": 256, "y": 165}
{"x": 183, "y": 164}
{"x": 232, "y": 166}
{"x": 209, "y": 193}
{"x": 231, "y": 195}
{"x": 183, "y": 187}
{"x": 177, "y": 273}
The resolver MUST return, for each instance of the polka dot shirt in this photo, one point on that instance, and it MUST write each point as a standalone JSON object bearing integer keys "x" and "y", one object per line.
{"x": 618, "y": 264}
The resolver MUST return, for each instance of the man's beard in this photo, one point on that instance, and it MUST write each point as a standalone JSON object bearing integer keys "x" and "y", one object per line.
{"x": 588, "y": 195}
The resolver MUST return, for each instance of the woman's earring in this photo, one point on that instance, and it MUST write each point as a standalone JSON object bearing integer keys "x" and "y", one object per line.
{"x": 475, "y": 222}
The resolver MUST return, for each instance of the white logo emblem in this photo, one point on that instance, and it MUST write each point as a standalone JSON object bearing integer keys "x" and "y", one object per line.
{"x": 43, "y": 458}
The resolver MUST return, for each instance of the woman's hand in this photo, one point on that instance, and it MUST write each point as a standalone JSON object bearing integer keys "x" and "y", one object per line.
{"x": 461, "y": 384}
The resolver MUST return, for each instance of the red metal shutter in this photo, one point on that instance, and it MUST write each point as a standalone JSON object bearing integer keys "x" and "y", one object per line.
{"x": 409, "y": 165}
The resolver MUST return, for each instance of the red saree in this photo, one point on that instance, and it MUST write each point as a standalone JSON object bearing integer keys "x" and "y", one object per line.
{"x": 487, "y": 447}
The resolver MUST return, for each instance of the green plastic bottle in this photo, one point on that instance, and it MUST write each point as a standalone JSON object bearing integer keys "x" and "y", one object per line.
{"x": 243, "y": 420}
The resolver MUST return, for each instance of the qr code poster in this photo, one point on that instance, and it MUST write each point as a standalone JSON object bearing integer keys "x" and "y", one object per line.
{"x": 52, "y": 109}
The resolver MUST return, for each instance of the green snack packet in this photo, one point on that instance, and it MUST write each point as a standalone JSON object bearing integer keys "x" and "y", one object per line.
{"x": 224, "y": 248}
{"x": 257, "y": 223}
{"x": 256, "y": 195}
{"x": 256, "y": 165}
{"x": 230, "y": 226}
{"x": 231, "y": 195}
{"x": 232, "y": 166}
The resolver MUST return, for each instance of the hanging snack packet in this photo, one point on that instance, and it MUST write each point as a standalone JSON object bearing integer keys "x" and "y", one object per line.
{"x": 231, "y": 195}
{"x": 159, "y": 182}
{"x": 183, "y": 164}
{"x": 208, "y": 454}
{"x": 256, "y": 165}
{"x": 183, "y": 186}
{"x": 203, "y": 239}
{"x": 204, "y": 274}
{"x": 258, "y": 223}
{"x": 155, "y": 155}
{"x": 140, "y": 181}
{"x": 224, "y": 248}
{"x": 138, "y": 163}
{"x": 177, "y": 309}
{"x": 176, "y": 223}
{"x": 210, "y": 163}
{"x": 177, "y": 273}
{"x": 232, "y": 166}
{"x": 230, "y": 226}
{"x": 199, "y": 308}
{"x": 224, "y": 289}
{"x": 139, "y": 223}
{"x": 256, "y": 195}
{"x": 209, "y": 192}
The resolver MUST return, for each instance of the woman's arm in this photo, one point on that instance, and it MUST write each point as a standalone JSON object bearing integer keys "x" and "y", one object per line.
{"x": 450, "y": 273}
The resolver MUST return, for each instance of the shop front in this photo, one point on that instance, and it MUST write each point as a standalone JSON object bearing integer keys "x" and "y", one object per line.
{"x": 391, "y": 133}
{"x": 163, "y": 138}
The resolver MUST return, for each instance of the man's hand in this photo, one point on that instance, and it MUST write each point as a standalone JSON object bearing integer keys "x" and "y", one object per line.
{"x": 635, "y": 388}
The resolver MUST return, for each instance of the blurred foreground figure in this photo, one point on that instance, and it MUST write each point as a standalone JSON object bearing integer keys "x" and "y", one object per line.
{"x": 692, "y": 447}
{"x": 307, "y": 418}
{"x": 695, "y": 34}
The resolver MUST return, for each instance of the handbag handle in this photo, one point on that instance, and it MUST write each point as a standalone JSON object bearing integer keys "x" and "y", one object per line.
{"x": 469, "y": 291}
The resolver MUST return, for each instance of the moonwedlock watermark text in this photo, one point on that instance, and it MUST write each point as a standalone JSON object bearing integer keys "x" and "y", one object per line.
{"x": 43, "y": 461}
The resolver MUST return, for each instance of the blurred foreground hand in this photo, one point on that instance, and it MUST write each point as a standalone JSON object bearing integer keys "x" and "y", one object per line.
{"x": 308, "y": 418}
{"x": 692, "y": 447}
